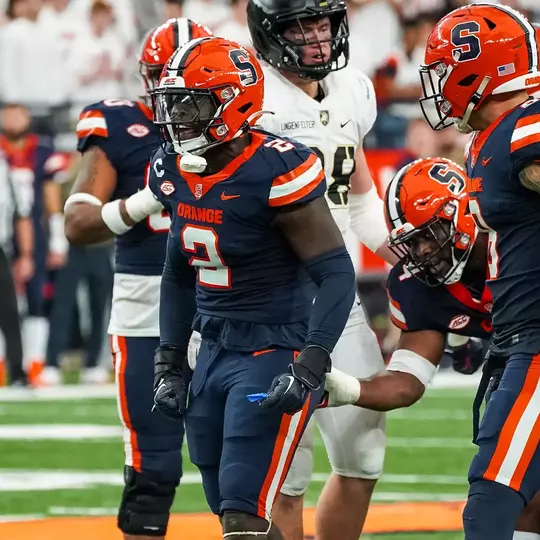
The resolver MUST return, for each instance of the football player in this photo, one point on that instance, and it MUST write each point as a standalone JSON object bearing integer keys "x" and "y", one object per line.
{"x": 117, "y": 139}
{"x": 480, "y": 62}
{"x": 316, "y": 99}
{"x": 437, "y": 287}
{"x": 34, "y": 166}
{"x": 249, "y": 213}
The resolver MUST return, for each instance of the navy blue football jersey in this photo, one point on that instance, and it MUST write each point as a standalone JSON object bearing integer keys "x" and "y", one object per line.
{"x": 415, "y": 306}
{"x": 31, "y": 165}
{"x": 252, "y": 290}
{"x": 125, "y": 132}
{"x": 509, "y": 213}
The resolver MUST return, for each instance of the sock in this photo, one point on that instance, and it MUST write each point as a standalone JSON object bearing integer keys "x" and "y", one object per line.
{"x": 520, "y": 535}
{"x": 35, "y": 333}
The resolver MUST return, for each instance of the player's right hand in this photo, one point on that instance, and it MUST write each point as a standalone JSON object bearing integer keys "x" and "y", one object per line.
{"x": 172, "y": 376}
{"x": 287, "y": 394}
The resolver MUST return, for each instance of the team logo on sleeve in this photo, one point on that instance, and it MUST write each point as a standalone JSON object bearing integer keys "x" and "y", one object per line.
{"x": 325, "y": 117}
{"x": 459, "y": 322}
{"x": 138, "y": 130}
{"x": 167, "y": 187}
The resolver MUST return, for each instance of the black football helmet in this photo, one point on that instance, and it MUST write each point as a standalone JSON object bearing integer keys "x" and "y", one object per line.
{"x": 269, "y": 19}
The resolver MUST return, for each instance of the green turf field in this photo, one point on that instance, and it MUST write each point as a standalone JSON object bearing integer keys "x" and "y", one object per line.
{"x": 65, "y": 457}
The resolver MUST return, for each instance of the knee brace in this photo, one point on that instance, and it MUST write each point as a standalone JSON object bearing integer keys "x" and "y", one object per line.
{"x": 242, "y": 526}
{"x": 146, "y": 504}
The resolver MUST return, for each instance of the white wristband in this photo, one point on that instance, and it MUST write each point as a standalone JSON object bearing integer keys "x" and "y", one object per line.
{"x": 343, "y": 389}
{"x": 366, "y": 211}
{"x": 110, "y": 213}
{"x": 81, "y": 198}
{"x": 57, "y": 239}
{"x": 409, "y": 362}
{"x": 142, "y": 204}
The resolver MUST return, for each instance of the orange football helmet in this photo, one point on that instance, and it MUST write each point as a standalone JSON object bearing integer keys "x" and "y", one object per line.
{"x": 161, "y": 42}
{"x": 427, "y": 199}
{"x": 211, "y": 91}
{"x": 474, "y": 52}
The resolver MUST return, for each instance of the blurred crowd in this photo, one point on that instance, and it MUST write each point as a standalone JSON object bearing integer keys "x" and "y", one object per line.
{"x": 57, "y": 56}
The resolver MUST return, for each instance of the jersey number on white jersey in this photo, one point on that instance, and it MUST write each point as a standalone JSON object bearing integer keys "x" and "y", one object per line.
{"x": 343, "y": 166}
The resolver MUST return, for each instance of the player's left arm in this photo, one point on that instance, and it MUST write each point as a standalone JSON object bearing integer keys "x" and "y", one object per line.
{"x": 366, "y": 208}
{"x": 177, "y": 307}
{"x": 317, "y": 241}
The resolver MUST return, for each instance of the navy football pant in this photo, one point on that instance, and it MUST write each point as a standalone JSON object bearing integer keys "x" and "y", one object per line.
{"x": 242, "y": 451}
{"x": 508, "y": 453}
{"x": 152, "y": 442}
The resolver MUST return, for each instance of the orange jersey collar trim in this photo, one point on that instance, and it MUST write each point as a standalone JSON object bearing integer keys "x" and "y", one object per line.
{"x": 206, "y": 182}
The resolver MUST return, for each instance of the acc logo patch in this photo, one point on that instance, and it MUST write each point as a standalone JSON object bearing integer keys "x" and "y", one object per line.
{"x": 459, "y": 322}
{"x": 138, "y": 130}
{"x": 167, "y": 187}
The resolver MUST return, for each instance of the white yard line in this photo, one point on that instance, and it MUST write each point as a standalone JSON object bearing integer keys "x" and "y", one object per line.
{"x": 22, "y": 517}
{"x": 59, "y": 432}
{"x": 444, "y": 379}
{"x": 45, "y": 480}
{"x": 93, "y": 431}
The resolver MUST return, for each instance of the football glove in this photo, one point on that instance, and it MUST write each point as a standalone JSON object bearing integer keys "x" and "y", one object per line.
{"x": 289, "y": 391}
{"x": 467, "y": 358}
{"x": 172, "y": 376}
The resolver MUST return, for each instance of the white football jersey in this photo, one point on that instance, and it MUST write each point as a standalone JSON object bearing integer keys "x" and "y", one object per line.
{"x": 334, "y": 127}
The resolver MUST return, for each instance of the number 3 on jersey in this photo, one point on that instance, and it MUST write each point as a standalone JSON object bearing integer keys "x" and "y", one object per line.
{"x": 212, "y": 271}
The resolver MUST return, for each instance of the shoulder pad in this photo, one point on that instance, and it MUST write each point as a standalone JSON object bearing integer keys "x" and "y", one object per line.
{"x": 363, "y": 93}
{"x": 93, "y": 118}
{"x": 297, "y": 172}
{"x": 526, "y": 132}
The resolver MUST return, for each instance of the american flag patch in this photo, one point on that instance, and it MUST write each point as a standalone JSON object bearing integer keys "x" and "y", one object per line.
{"x": 507, "y": 69}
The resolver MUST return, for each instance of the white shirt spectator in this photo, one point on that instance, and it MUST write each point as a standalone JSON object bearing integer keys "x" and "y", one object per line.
{"x": 124, "y": 16}
{"x": 235, "y": 27}
{"x": 97, "y": 63}
{"x": 210, "y": 13}
{"x": 33, "y": 71}
{"x": 369, "y": 45}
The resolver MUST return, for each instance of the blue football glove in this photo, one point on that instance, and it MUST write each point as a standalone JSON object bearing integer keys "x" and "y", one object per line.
{"x": 172, "y": 376}
{"x": 289, "y": 391}
{"x": 467, "y": 358}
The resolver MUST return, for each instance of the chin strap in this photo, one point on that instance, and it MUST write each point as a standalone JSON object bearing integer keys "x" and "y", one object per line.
{"x": 462, "y": 124}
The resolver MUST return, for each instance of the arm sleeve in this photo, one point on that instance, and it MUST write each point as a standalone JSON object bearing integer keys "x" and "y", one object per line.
{"x": 333, "y": 273}
{"x": 177, "y": 300}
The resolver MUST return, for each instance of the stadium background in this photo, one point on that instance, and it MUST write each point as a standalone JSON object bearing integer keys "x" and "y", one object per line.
{"x": 60, "y": 446}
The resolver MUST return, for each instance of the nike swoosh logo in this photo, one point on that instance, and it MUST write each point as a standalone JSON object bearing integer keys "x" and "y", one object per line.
{"x": 485, "y": 161}
{"x": 291, "y": 380}
{"x": 228, "y": 197}
{"x": 345, "y": 123}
